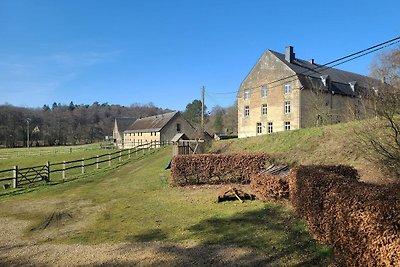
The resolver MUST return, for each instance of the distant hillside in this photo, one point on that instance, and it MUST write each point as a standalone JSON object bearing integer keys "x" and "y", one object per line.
{"x": 333, "y": 144}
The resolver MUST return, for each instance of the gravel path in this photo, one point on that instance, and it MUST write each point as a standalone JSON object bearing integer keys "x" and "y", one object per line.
{"x": 18, "y": 251}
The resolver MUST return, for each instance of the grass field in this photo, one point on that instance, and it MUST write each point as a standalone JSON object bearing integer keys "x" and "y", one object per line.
{"x": 135, "y": 203}
{"x": 25, "y": 157}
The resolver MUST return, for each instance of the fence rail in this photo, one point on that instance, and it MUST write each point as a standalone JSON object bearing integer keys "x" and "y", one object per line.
{"x": 34, "y": 174}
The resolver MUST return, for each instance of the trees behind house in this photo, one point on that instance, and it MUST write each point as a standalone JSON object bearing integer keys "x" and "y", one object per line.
{"x": 381, "y": 136}
{"x": 219, "y": 120}
{"x": 64, "y": 124}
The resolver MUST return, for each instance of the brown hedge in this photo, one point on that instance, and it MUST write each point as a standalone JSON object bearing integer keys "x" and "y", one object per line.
{"x": 361, "y": 221}
{"x": 216, "y": 168}
{"x": 269, "y": 186}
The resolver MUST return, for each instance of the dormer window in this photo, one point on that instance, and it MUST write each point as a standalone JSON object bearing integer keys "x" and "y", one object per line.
{"x": 353, "y": 86}
{"x": 325, "y": 79}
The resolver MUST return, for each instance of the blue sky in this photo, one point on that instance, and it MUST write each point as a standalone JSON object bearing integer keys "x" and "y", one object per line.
{"x": 141, "y": 51}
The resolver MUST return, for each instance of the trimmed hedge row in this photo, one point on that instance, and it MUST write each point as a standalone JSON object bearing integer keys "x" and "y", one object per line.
{"x": 216, "y": 168}
{"x": 361, "y": 221}
{"x": 269, "y": 186}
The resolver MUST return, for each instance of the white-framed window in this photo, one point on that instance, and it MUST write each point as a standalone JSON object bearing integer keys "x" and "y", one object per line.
{"x": 246, "y": 94}
{"x": 264, "y": 91}
{"x": 287, "y": 107}
{"x": 264, "y": 109}
{"x": 259, "y": 128}
{"x": 270, "y": 127}
{"x": 286, "y": 88}
{"x": 287, "y": 125}
{"x": 246, "y": 111}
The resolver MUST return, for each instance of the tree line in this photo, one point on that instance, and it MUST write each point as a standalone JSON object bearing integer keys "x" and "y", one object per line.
{"x": 61, "y": 124}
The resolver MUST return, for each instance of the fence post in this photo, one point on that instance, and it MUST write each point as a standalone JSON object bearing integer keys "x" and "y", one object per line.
{"x": 83, "y": 165}
{"x": 97, "y": 161}
{"x": 15, "y": 177}
{"x": 48, "y": 171}
{"x": 120, "y": 154}
{"x": 109, "y": 160}
{"x": 151, "y": 142}
{"x": 129, "y": 154}
{"x": 63, "y": 170}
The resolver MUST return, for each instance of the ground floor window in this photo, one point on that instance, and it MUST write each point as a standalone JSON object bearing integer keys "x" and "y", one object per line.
{"x": 287, "y": 125}
{"x": 270, "y": 127}
{"x": 259, "y": 128}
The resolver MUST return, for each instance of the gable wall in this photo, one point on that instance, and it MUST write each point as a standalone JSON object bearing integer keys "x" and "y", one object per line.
{"x": 268, "y": 69}
{"x": 170, "y": 130}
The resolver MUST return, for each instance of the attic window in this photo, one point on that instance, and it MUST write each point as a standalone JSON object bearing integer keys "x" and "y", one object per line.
{"x": 178, "y": 127}
{"x": 247, "y": 94}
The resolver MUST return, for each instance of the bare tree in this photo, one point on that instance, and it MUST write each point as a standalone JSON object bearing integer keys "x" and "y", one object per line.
{"x": 381, "y": 135}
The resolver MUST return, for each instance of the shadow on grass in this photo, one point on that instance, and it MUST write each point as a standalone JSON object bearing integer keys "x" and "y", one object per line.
{"x": 152, "y": 235}
{"x": 268, "y": 237}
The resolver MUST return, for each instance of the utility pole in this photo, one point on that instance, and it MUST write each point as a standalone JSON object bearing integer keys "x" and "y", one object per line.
{"x": 202, "y": 111}
{"x": 27, "y": 132}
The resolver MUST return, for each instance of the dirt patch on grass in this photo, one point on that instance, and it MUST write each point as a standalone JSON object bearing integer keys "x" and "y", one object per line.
{"x": 56, "y": 219}
{"x": 15, "y": 250}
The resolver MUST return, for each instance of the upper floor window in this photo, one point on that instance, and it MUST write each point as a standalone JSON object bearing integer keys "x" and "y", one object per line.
{"x": 246, "y": 94}
{"x": 259, "y": 128}
{"x": 287, "y": 107}
{"x": 287, "y": 125}
{"x": 264, "y": 91}
{"x": 270, "y": 127}
{"x": 246, "y": 111}
{"x": 286, "y": 88}
{"x": 264, "y": 109}
{"x": 178, "y": 127}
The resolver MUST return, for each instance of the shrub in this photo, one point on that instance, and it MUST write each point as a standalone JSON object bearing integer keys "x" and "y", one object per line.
{"x": 213, "y": 168}
{"x": 268, "y": 186}
{"x": 361, "y": 221}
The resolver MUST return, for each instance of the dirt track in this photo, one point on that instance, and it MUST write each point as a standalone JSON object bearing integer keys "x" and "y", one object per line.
{"x": 18, "y": 251}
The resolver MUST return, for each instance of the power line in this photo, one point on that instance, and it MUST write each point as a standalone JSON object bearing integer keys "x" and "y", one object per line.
{"x": 325, "y": 66}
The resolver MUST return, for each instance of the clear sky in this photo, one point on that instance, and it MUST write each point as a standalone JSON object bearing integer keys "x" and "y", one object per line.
{"x": 163, "y": 51}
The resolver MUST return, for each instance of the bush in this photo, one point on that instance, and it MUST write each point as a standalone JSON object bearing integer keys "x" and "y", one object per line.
{"x": 269, "y": 186}
{"x": 212, "y": 168}
{"x": 361, "y": 221}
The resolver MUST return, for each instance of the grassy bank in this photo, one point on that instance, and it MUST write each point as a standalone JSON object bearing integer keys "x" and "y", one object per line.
{"x": 135, "y": 203}
{"x": 332, "y": 144}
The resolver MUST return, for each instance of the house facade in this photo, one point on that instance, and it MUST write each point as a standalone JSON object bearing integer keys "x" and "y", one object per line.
{"x": 282, "y": 93}
{"x": 120, "y": 125}
{"x": 158, "y": 128}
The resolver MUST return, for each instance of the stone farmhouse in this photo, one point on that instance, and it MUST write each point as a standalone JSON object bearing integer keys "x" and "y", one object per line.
{"x": 159, "y": 128}
{"x": 282, "y": 92}
{"x": 120, "y": 125}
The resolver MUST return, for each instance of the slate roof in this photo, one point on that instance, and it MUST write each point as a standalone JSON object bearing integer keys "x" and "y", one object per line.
{"x": 124, "y": 122}
{"x": 151, "y": 124}
{"x": 310, "y": 76}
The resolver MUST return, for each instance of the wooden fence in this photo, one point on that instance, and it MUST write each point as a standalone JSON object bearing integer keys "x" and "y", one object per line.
{"x": 17, "y": 177}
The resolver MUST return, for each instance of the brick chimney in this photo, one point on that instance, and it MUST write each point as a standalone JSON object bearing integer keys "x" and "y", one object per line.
{"x": 289, "y": 54}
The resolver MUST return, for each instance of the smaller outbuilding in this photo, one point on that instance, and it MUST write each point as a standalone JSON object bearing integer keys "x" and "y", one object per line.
{"x": 120, "y": 125}
{"x": 158, "y": 129}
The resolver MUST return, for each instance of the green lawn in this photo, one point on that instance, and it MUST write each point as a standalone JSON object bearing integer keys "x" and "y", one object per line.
{"x": 135, "y": 203}
{"x": 26, "y": 157}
